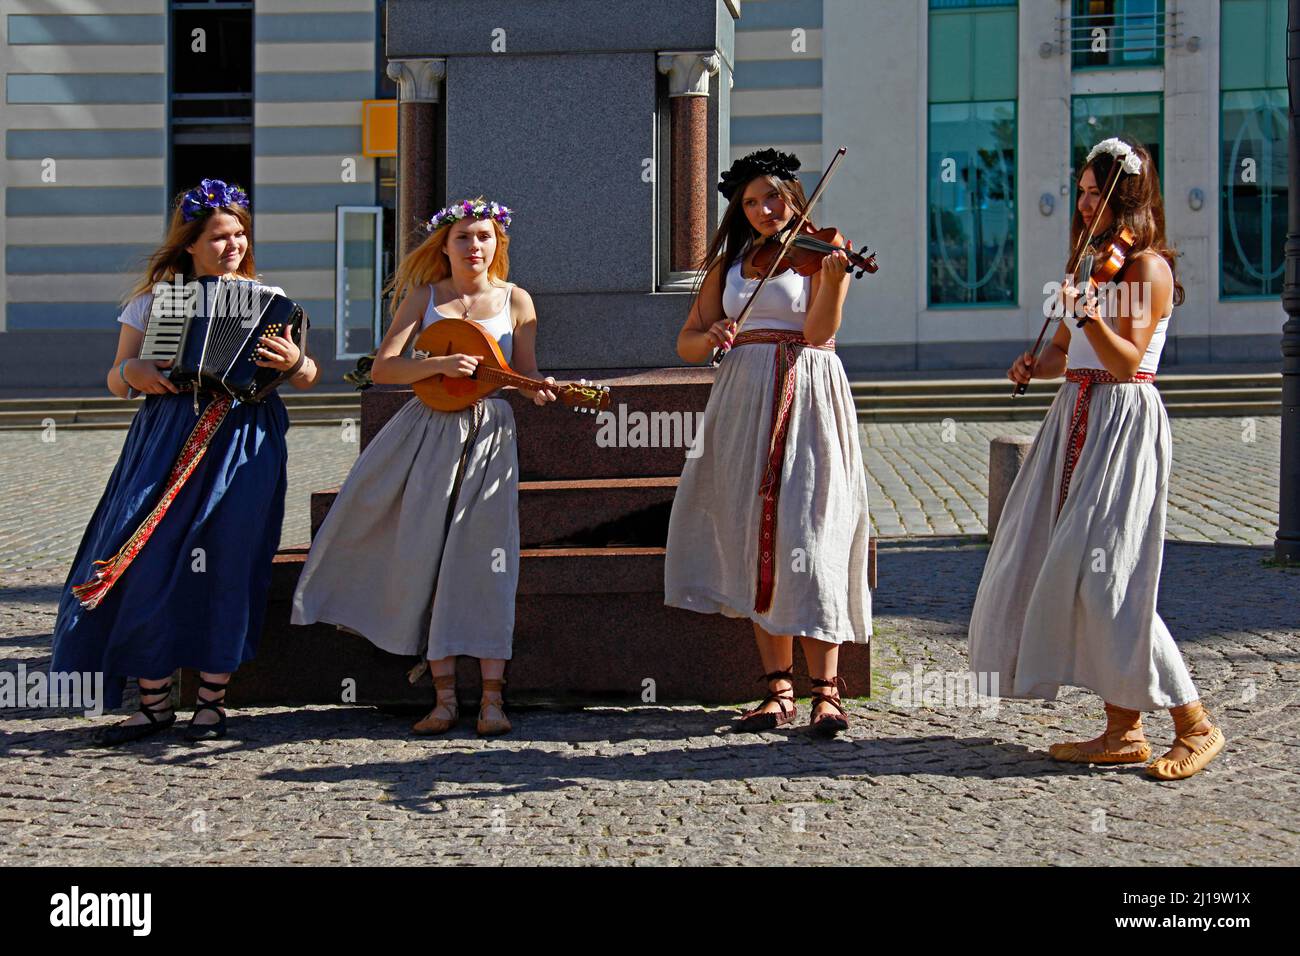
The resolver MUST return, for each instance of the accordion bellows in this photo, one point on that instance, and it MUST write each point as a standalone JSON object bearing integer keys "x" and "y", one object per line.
{"x": 209, "y": 328}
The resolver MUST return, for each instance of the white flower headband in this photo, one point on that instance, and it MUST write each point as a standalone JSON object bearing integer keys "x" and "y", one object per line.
{"x": 1132, "y": 162}
{"x": 462, "y": 210}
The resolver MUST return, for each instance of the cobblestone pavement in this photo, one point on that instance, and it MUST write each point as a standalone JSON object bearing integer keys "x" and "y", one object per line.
{"x": 923, "y": 479}
{"x": 916, "y": 780}
{"x": 911, "y": 784}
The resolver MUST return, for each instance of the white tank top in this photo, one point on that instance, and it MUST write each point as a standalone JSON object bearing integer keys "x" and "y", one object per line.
{"x": 499, "y": 326}
{"x": 1082, "y": 354}
{"x": 783, "y": 303}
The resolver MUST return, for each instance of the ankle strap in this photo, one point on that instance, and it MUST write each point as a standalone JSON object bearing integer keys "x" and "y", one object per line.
{"x": 837, "y": 682}
{"x": 213, "y": 685}
{"x": 787, "y": 674}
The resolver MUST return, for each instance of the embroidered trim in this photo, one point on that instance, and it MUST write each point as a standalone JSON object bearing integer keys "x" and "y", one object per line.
{"x": 788, "y": 346}
{"x": 107, "y": 572}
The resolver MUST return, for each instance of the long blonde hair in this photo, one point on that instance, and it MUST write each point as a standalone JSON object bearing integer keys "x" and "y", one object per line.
{"x": 170, "y": 259}
{"x": 427, "y": 263}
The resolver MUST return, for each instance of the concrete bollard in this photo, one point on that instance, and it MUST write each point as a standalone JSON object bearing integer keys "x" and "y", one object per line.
{"x": 1006, "y": 455}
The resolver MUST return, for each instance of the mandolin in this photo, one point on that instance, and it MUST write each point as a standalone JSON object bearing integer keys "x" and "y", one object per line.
{"x": 446, "y": 393}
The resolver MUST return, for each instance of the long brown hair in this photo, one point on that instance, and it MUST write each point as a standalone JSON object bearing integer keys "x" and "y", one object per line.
{"x": 426, "y": 263}
{"x": 170, "y": 259}
{"x": 734, "y": 232}
{"x": 1136, "y": 203}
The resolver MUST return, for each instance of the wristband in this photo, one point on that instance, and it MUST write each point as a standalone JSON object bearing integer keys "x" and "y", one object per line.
{"x": 293, "y": 370}
{"x": 131, "y": 390}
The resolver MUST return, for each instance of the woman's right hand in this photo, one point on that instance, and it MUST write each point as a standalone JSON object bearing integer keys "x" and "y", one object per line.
{"x": 148, "y": 376}
{"x": 1022, "y": 369}
{"x": 458, "y": 366}
{"x": 721, "y": 333}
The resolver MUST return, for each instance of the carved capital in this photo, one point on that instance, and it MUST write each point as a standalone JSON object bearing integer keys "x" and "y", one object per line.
{"x": 688, "y": 73}
{"x": 418, "y": 80}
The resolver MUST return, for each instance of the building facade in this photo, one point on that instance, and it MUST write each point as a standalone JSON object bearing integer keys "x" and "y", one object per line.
{"x": 965, "y": 122}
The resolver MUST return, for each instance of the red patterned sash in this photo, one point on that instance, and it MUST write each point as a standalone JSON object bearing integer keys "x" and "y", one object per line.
{"x": 788, "y": 346}
{"x": 108, "y": 571}
{"x": 1086, "y": 378}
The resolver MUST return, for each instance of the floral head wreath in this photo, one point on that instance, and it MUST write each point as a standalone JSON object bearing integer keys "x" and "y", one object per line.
{"x": 208, "y": 195}
{"x": 763, "y": 162}
{"x": 463, "y": 210}
{"x": 1132, "y": 162}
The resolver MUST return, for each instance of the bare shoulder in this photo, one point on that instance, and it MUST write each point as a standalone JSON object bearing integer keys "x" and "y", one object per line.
{"x": 521, "y": 306}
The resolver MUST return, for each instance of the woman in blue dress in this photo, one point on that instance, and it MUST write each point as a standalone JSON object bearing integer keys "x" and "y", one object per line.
{"x": 174, "y": 567}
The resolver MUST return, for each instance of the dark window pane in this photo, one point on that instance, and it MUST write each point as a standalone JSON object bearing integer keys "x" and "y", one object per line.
{"x": 1253, "y": 161}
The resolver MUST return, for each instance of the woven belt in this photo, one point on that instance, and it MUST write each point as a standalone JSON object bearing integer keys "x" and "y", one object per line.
{"x": 788, "y": 346}
{"x": 1086, "y": 378}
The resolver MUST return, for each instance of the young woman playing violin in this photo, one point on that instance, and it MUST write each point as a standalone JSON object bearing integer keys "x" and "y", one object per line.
{"x": 1068, "y": 594}
{"x": 420, "y": 552}
{"x": 770, "y": 519}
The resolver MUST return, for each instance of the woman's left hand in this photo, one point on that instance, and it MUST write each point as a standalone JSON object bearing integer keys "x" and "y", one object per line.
{"x": 544, "y": 395}
{"x": 277, "y": 351}
{"x": 835, "y": 266}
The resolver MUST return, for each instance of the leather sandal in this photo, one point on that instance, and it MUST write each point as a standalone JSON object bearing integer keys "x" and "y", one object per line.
{"x": 1203, "y": 747}
{"x": 195, "y": 732}
{"x": 445, "y": 687}
{"x": 828, "y": 725}
{"x": 1125, "y": 726}
{"x": 128, "y": 733}
{"x": 488, "y": 725}
{"x": 757, "y": 721}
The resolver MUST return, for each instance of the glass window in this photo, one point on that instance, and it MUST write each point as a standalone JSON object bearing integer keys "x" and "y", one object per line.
{"x": 1113, "y": 34}
{"x": 971, "y": 154}
{"x": 972, "y": 209}
{"x": 1254, "y": 192}
{"x": 1130, "y": 116}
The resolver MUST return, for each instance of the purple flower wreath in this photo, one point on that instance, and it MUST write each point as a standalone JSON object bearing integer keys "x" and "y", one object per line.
{"x": 478, "y": 210}
{"x": 208, "y": 195}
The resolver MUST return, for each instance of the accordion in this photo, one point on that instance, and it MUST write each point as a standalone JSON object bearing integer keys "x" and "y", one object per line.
{"x": 209, "y": 328}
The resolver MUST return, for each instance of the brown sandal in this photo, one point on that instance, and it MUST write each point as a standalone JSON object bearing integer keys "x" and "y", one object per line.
{"x": 489, "y": 726}
{"x": 757, "y": 721}
{"x": 432, "y": 723}
{"x": 828, "y": 725}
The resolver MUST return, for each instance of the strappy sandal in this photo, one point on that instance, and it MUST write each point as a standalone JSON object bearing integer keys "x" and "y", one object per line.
{"x": 828, "y": 725}
{"x": 757, "y": 721}
{"x": 195, "y": 732}
{"x": 128, "y": 733}
{"x": 431, "y": 722}
{"x": 492, "y": 726}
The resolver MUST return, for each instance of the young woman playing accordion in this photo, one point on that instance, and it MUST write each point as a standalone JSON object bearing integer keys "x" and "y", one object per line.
{"x": 174, "y": 568}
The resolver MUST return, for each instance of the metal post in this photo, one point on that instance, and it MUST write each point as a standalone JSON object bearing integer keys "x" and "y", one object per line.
{"x": 1287, "y": 546}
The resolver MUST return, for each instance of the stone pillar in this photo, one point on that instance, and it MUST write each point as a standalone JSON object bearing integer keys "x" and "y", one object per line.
{"x": 418, "y": 82}
{"x": 1006, "y": 455}
{"x": 688, "y": 90}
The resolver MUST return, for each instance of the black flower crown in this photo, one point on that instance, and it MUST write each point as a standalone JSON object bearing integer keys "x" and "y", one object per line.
{"x": 763, "y": 162}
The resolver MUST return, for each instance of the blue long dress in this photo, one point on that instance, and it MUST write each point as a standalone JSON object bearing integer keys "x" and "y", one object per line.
{"x": 195, "y": 596}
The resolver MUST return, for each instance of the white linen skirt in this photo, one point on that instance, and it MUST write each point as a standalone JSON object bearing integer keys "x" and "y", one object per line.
{"x": 1072, "y": 599}
{"x": 822, "y": 522}
{"x": 381, "y": 565}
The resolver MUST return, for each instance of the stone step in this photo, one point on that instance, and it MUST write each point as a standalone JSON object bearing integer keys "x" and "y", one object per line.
{"x": 590, "y": 626}
{"x": 1000, "y": 385}
{"x": 595, "y": 512}
{"x": 1034, "y": 412}
{"x": 1170, "y": 398}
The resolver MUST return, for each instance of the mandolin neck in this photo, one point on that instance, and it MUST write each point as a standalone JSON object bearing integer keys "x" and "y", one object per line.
{"x": 499, "y": 376}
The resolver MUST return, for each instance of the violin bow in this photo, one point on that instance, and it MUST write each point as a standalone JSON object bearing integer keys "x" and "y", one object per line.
{"x": 1083, "y": 243}
{"x": 792, "y": 233}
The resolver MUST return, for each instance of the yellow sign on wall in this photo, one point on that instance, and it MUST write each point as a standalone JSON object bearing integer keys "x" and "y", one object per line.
{"x": 379, "y": 127}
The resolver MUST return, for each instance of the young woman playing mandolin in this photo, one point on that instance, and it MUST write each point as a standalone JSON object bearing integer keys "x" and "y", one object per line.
{"x": 1069, "y": 590}
{"x": 770, "y": 520}
{"x": 420, "y": 551}
{"x": 191, "y": 590}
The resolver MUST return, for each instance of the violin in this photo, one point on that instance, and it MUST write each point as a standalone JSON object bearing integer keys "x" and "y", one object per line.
{"x": 1094, "y": 266}
{"x": 806, "y": 252}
